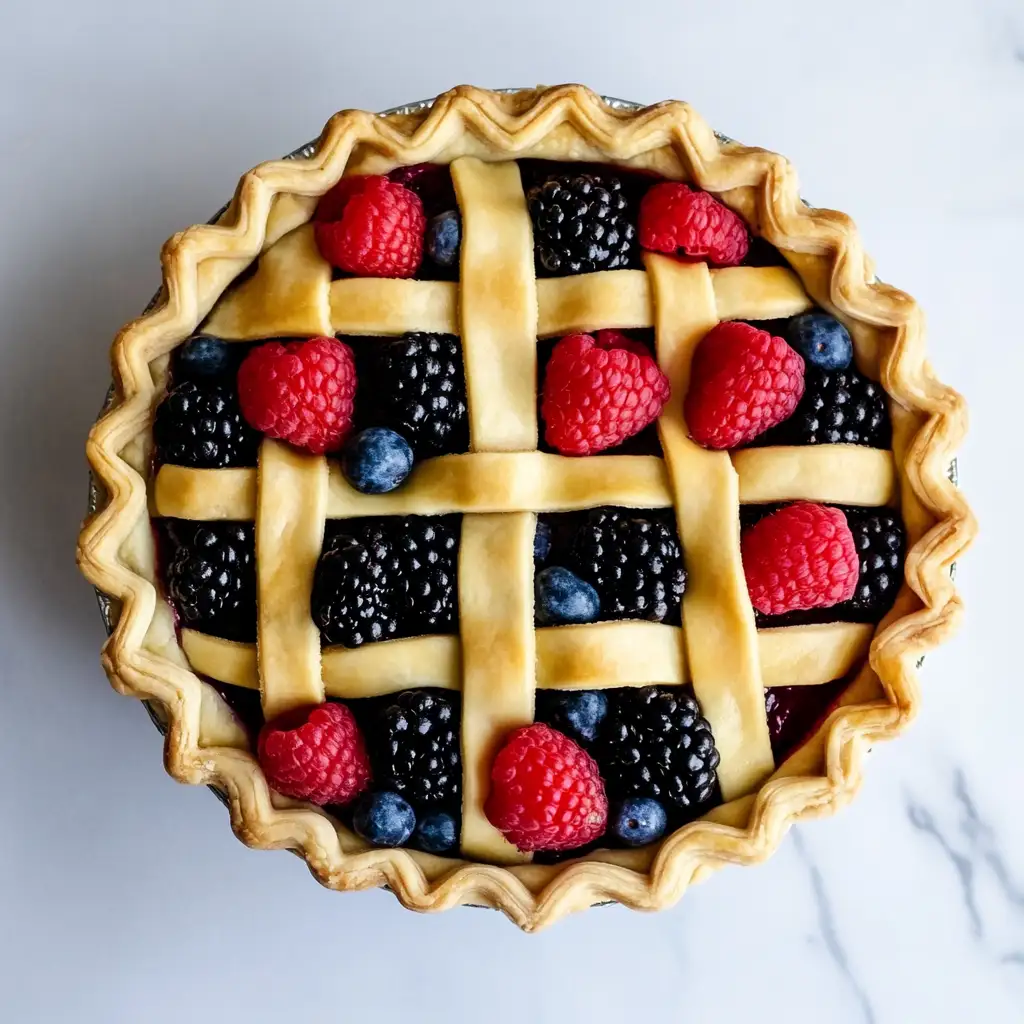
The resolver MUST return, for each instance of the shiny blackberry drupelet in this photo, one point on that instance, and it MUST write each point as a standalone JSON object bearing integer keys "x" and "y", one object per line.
{"x": 384, "y": 578}
{"x": 211, "y": 578}
{"x": 416, "y": 749}
{"x": 654, "y": 742}
{"x": 425, "y": 575}
{"x": 351, "y": 600}
{"x": 633, "y": 561}
{"x": 581, "y": 224}
{"x": 838, "y": 407}
{"x": 880, "y": 541}
{"x": 417, "y": 387}
{"x": 201, "y": 425}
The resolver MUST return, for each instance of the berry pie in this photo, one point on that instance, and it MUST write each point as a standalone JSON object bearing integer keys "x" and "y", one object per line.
{"x": 526, "y": 500}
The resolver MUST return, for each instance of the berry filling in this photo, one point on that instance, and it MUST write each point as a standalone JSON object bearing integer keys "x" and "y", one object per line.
{"x": 630, "y": 559}
{"x": 209, "y": 571}
{"x": 414, "y": 385}
{"x": 384, "y": 578}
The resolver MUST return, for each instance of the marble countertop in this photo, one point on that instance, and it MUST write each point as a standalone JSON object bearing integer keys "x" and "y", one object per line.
{"x": 123, "y": 896}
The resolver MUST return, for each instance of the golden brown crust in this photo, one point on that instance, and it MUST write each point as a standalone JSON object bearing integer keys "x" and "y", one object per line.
{"x": 142, "y": 656}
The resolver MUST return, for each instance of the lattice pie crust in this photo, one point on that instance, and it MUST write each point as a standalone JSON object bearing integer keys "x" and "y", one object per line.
{"x": 498, "y": 660}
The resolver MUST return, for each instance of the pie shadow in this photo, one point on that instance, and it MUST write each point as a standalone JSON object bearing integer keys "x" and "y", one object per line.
{"x": 62, "y": 320}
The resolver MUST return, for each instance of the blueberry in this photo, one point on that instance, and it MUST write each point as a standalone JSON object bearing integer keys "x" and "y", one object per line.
{"x": 639, "y": 820}
{"x": 444, "y": 233}
{"x": 436, "y": 833}
{"x": 579, "y": 713}
{"x": 541, "y": 544}
{"x": 821, "y": 339}
{"x": 384, "y": 819}
{"x": 203, "y": 356}
{"x": 562, "y": 597}
{"x": 377, "y": 460}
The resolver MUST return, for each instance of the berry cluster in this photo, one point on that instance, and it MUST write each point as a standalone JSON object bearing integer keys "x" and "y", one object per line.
{"x": 749, "y": 386}
{"x": 399, "y": 771}
{"x": 808, "y": 563}
{"x": 627, "y": 762}
{"x": 615, "y": 564}
{"x": 630, "y": 763}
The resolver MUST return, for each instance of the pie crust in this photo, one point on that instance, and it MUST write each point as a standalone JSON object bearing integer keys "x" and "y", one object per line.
{"x": 505, "y": 482}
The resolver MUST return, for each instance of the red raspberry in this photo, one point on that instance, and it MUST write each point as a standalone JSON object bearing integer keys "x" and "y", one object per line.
{"x": 676, "y": 220}
{"x": 546, "y": 792}
{"x": 597, "y": 392}
{"x": 371, "y": 226}
{"x": 802, "y": 556}
{"x": 610, "y": 338}
{"x": 742, "y": 381}
{"x": 302, "y": 392}
{"x": 315, "y": 754}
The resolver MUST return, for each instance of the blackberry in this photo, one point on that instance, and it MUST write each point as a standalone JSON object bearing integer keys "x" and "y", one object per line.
{"x": 380, "y": 579}
{"x": 425, "y": 578}
{"x": 351, "y": 599}
{"x": 211, "y": 578}
{"x": 838, "y": 407}
{"x": 581, "y": 224}
{"x": 201, "y": 426}
{"x": 880, "y": 541}
{"x": 418, "y": 753}
{"x": 418, "y": 389}
{"x": 634, "y": 563}
{"x": 654, "y": 743}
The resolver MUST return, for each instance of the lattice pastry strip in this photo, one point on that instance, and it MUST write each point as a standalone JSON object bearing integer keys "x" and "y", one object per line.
{"x": 601, "y": 655}
{"x": 297, "y": 296}
{"x": 541, "y": 482}
{"x": 721, "y": 636}
{"x": 498, "y": 660}
{"x": 497, "y": 306}
{"x": 290, "y": 511}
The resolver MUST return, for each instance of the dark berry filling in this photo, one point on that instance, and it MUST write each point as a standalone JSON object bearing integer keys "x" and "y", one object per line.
{"x": 631, "y": 557}
{"x": 416, "y": 386}
{"x": 582, "y": 223}
{"x": 796, "y": 712}
{"x": 210, "y": 576}
{"x": 433, "y": 184}
{"x": 389, "y": 577}
{"x": 199, "y": 424}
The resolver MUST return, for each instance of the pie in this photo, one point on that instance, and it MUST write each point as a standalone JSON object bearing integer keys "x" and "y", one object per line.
{"x": 525, "y": 501}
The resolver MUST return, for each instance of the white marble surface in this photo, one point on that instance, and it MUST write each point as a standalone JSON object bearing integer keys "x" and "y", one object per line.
{"x": 123, "y": 896}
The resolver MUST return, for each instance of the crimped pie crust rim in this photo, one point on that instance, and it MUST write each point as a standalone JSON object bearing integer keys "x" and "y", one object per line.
{"x": 822, "y": 246}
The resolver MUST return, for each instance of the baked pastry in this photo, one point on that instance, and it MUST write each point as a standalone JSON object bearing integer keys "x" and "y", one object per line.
{"x": 526, "y": 501}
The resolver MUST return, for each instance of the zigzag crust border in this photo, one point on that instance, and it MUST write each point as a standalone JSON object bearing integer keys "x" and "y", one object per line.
{"x": 142, "y": 657}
